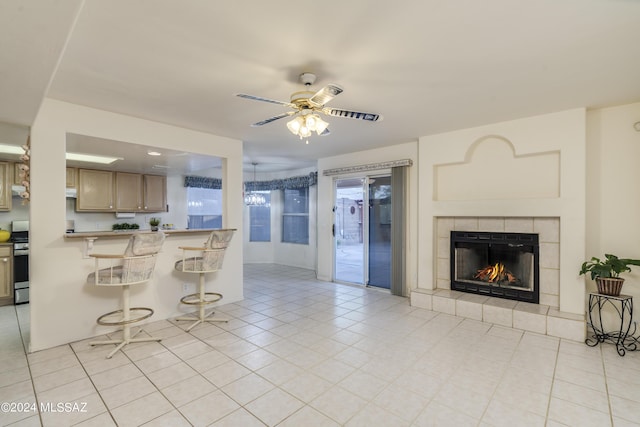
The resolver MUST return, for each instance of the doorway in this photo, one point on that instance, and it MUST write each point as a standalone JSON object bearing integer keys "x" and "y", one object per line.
{"x": 362, "y": 230}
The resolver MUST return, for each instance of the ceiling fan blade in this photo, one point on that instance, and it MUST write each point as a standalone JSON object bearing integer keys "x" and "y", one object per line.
{"x": 337, "y": 112}
{"x": 274, "y": 118}
{"x": 259, "y": 98}
{"x": 325, "y": 94}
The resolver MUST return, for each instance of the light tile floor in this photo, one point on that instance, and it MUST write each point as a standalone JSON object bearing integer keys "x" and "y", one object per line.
{"x": 301, "y": 352}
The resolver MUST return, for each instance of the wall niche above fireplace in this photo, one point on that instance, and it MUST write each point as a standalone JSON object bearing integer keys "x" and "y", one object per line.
{"x": 503, "y": 265}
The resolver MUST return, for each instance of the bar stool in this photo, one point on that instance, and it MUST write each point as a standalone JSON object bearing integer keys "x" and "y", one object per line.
{"x": 203, "y": 260}
{"x": 134, "y": 267}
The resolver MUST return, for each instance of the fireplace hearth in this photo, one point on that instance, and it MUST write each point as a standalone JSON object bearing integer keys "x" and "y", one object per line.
{"x": 504, "y": 265}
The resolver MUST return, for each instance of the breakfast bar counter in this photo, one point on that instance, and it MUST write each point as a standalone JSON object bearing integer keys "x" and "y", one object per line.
{"x": 128, "y": 233}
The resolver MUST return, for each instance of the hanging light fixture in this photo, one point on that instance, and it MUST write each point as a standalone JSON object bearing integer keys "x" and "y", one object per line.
{"x": 308, "y": 122}
{"x": 252, "y": 198}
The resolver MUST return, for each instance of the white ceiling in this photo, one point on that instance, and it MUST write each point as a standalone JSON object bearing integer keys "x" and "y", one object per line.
{"x": 428, "y": 66}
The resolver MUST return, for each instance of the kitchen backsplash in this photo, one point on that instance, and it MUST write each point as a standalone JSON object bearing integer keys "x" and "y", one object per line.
{"x": 18, "y": 212}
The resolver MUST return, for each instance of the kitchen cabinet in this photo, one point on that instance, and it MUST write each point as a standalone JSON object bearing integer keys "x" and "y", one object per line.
{"x": 128, "y": 192}
{"x": 6, "y": 179}
{"x": 95, "y": 191}
{"x": 16, "y": 174}
{"x": 6, "y": 282}
{"x": 155, "y": 193}
{"x": 106, "y": 191}
{"x": 140, "y": 193}
{"x": 72, "y": 179}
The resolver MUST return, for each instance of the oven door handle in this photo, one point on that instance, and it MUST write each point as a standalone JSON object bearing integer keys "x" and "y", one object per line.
{"x": 20, "y": 252}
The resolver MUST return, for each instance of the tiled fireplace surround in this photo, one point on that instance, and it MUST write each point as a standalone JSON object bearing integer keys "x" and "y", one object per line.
{"x": 525, "y": 175}
{"x": 544, "y": 318}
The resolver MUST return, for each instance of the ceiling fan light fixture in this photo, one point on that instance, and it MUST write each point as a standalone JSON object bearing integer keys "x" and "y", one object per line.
{"x": 294, "y": 125}
{"x": 304, "y": 132}
{"x": 303, "y": 126}
{"x": 321, "y": 125}
{"x": 306, "y": 105}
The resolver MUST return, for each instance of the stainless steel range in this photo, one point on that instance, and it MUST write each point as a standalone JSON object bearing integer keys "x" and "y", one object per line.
{"x": 20, "y": 239}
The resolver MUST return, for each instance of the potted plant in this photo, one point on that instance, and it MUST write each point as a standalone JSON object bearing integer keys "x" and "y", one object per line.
{"x": 124, "y": 226}
{"x": 606, "y": 272}
{"x": 154, "y": 223}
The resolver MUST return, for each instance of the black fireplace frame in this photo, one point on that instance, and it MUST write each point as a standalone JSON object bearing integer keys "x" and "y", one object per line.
{"x": 514, "y": 240}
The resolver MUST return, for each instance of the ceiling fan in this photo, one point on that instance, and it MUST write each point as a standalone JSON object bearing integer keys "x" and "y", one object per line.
{"x": 306, "y": 105}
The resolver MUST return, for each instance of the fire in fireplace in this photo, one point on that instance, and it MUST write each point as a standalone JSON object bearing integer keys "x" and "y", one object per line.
{"x": 498, "y": 274}
{"x": 503, "y": 265}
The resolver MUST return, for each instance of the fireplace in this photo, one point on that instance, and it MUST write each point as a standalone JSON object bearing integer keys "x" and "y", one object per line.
{"x": 504, "y": 265}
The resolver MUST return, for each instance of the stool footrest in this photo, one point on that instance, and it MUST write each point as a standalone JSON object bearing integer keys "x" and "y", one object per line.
{"x": 194, "y": 299}
{"x": 122, "y": 342}
{"x": 142, "y": 313}
{"x": 198, "y": 318}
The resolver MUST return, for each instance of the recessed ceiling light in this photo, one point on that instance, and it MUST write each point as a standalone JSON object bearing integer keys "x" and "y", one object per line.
{"x": 154, "y": 153}
{"x": 92, "y": 158}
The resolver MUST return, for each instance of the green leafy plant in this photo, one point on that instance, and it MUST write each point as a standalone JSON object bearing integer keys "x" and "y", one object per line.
{"x": 125, "y": 226}
{"x": 611, "y": 266}
{"x": 154, "y": 222}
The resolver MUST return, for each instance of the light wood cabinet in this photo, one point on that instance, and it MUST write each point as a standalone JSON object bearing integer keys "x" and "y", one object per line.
{"x": 128, "y": 192}
{"x": 6, "y": 282}
{"x": 95, "y": 191}
{"x": 16, "y": 174}
{"x": 72, "y": 179}
{"x": 106, "y": 191}
{"x": 155, "y": 193}
{"x": 6, "y": 179}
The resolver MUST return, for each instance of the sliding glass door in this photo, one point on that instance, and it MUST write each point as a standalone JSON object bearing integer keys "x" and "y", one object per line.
{"x": 362, "y": 230}
{"x": 379, "y": 242}
{"x": 348, "y": 230}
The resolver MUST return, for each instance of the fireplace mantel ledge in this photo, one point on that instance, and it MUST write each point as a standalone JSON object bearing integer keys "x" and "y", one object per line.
{"x": 537, "y": 318}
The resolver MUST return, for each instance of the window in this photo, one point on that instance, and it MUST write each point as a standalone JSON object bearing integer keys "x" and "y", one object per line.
{"x": 204, "y": 208}
{"x": 260, "y": 220}
{"x": 295, "y": 216}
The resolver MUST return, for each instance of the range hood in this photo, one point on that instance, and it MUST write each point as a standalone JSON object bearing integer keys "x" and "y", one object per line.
{"x": 16, "y": 190}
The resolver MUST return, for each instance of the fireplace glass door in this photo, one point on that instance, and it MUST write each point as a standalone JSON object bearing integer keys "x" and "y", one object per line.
{"x": 496, "y": 264}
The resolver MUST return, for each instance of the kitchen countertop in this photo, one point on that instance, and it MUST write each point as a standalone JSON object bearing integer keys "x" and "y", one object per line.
{"x": 127, "y": 233}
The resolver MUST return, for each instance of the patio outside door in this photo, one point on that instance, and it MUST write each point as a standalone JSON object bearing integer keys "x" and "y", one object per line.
{"x": 379, "y": 241}
{"x": 362, "y": 231}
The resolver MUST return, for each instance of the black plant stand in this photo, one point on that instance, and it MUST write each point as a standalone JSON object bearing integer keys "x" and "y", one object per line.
{"x": 623, "y": 338}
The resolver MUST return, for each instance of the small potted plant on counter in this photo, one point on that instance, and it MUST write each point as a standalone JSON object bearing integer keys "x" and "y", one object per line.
{"x": 154, "y": 223}
{"x": 606, "y": 272}
{"x": 124, "y": 226}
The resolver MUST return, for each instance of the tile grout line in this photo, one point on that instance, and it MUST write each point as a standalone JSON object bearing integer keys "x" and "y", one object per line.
{"x": 24, "y": 348}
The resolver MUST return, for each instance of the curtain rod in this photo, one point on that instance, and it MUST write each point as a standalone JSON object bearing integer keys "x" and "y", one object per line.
{"x": 369, "y": 167}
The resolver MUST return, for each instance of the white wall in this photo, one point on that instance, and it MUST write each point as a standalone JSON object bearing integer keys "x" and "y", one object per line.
{"x": 326, "y": 202}
{"x": 275, "y": 251}
{"x": 613, "y": 197}
{"x": 63, "y": 306}
{"x": 562, "y": 132}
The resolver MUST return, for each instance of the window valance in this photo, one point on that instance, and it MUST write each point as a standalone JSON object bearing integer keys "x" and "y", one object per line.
{"x": 275, "y": 184}
{"x": 203, "y": 182}
{"x": 282, "y": 184}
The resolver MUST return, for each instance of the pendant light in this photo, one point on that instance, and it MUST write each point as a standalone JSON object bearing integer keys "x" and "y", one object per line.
{"x": 251, "y": 198}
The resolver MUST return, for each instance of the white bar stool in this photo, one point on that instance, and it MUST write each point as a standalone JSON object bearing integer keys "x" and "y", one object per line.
{"x": 134, "y": 267}
{"x": 203, "y": 260}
